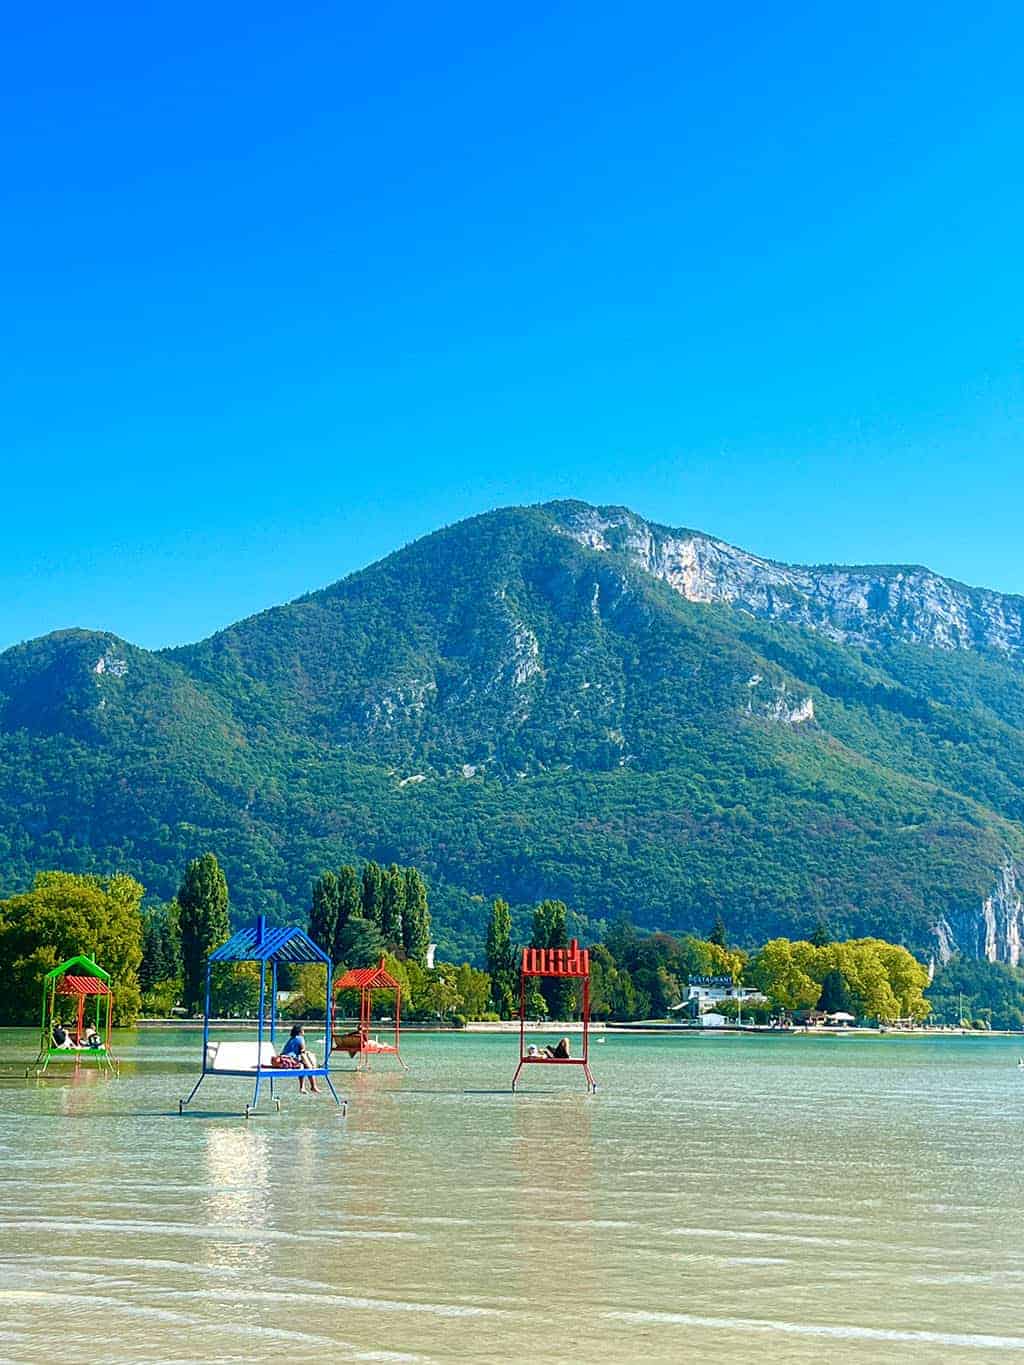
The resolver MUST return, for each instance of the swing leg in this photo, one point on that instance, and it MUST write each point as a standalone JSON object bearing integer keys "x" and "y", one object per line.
{"x": 515, "y": 1078}
{"x": 191, "y": 1094}
{"x": 330, "y": 1086}
{"x": 256, "y": 1092}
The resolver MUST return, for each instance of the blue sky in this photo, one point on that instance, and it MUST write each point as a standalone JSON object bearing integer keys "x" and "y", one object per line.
{"x": 288, "y": 286}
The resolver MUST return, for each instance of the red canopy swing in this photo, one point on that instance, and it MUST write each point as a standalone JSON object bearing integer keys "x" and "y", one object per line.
{"x": 357, "y": 1042}
{"x": 573, "y": 961}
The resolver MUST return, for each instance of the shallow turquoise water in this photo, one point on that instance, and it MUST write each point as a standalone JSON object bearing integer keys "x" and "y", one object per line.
{"x": 785, "y": 1199}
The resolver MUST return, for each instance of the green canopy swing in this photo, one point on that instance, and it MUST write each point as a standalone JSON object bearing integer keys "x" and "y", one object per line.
{"x": 76, "y": 1016}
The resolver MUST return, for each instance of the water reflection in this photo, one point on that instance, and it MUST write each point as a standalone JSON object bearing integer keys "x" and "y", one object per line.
{"x": 236, "y": 1197}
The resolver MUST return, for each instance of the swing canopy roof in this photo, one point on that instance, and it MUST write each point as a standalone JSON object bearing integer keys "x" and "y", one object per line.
{"x": 571, "y": 961}
{"x": 367, "y": 978}
{"x": 92, "y": 981}
{"x": 257, "y": 943}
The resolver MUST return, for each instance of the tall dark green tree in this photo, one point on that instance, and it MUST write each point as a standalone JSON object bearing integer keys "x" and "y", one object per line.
{"x": 203, "y": 923}
{"x": 416, "y": 919}
{"x": 350, "y": 905}
{"x": 501, "y": 959}
{"x": 835, "y": 994}
{"x": 161, "y": 945}
{"x": 549, "y": 931}
{"x": 323, "y": 916}
{"x": 361, "y": 944}
{"x": 373, "y": 893}
{"x": 820, "y": 935}
{"x": 717, "y": 934}
{"x": 392, "y": 906}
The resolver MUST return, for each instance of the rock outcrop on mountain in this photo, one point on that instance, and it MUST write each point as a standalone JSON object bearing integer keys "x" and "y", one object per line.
{"x": 992, "y": 931}
{"x": 861, "y": 606}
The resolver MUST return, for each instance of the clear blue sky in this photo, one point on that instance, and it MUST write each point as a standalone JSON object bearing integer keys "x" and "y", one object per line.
{"x": 286, "y": 286}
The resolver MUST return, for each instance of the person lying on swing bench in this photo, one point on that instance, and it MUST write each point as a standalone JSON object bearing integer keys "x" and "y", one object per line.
{"x": 560, "y": 1049}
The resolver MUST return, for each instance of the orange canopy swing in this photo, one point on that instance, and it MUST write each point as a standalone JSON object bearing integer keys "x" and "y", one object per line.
{"x": 357, "y": 1042}
{"x": 573, "y": 961}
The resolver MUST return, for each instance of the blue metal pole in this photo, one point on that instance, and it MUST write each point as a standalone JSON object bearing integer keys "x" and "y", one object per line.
{"x": 328, "y": 1001}
{"x": 273, "y": 1013}
{"x": 206, "y": 1016}
{"x": 259, "y": 1033}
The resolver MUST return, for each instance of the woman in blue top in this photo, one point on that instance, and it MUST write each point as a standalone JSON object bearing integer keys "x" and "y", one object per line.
{"x": 296, "y": 1047}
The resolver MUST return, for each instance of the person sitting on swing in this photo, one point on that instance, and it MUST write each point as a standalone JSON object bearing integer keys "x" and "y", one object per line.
{"x": 296, "y": 1047}
{"x": 560, "y": 1049}
{"x": 92, "y": 1038}
{"x": 61, "y": 1038}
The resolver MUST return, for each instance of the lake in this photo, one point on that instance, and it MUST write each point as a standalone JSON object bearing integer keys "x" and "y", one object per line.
{"x": 776, "y": 1199}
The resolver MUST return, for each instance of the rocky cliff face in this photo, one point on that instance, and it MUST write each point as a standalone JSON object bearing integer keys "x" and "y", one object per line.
{"x": 993, "y": 931}
{"x": 860, "y": 606}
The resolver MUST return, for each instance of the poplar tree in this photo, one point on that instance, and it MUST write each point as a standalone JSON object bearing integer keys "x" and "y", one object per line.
{"x": 392, "y": 905}
{"x": 549, "y": 931}
{"x": 373, "y": 888}
{"x": 416, "y": 919}
{"x": 323, "y": 916}
{"x": 161, "y": 949}
{"x": 202, "y": 923}
{"x": 717, "y": 934}
{"x": 501, "y": 959}
{"x": 350, "y": 906}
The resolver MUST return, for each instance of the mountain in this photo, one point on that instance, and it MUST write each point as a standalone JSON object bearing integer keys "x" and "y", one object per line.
{"x": 557, "y": 701}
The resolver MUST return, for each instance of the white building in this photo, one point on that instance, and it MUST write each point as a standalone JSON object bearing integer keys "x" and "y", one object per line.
{"x": 705, "y": 991}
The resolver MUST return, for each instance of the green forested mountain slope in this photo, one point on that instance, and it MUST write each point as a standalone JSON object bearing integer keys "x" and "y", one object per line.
{"x": 520, "y": 712}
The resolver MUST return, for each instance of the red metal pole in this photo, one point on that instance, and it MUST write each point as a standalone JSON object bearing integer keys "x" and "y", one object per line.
{"x": 586, "y": 1018}
{"x": 522, "y": 1015}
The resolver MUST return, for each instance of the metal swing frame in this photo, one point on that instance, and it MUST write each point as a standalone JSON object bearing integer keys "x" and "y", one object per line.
{"x": 571, "y": 962}
{"x": 266, "y": 947}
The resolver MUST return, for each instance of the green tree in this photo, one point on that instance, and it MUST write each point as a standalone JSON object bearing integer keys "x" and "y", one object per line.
{"x": 392, "y": 905}
{"x": 361, "y": 943}
{"x": 161, "y": 946}
{"x": 501, "y": 960}
{"x": 474, "y": 990}
{"x": 779, "y": 974}
{"x": 323, "y": 915}
{"x": 835, "y": 995}
{"x": 440, "y": 994}
{"x": 717, "y": 935}
{"x": 995, "y": 987}
{"x": 373, "y": 893}
{"x": 235, "y": 989}
{"x": 821, "y": 934}
{"x": 203, "y": 922}
{"x": 350, "y": 905}
{"x": 549, "y": 931}
{"x": 416, "y": 920}
{"x": 64, "y": 915}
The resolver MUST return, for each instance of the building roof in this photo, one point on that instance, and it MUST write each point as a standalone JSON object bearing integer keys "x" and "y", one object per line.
{"x": 91, "y": 971}
{"x": 364, "y": 978}
{"x": 571, "y": 961}
{"x": 257, "y": 943}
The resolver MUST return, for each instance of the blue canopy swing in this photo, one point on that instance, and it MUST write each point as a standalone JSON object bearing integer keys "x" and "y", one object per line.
{"x": 263, "y": 946}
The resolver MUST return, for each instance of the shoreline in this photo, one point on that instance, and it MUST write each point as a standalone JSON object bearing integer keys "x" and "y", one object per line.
{"x": 574, "y": 1027}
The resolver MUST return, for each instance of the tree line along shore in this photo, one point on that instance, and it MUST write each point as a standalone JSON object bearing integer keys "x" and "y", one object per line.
{"x": 156, "y": 954}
